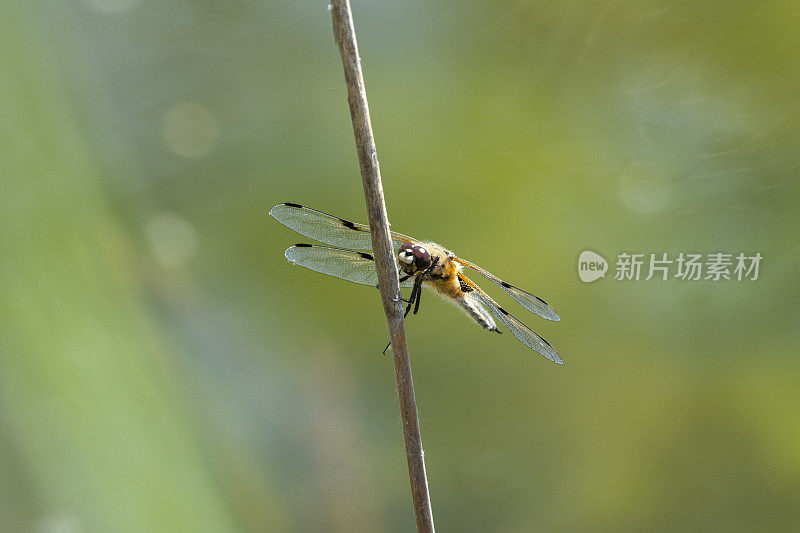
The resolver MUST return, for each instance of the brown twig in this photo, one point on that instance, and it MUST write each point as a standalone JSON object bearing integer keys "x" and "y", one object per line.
{"x": 345, "y": 36}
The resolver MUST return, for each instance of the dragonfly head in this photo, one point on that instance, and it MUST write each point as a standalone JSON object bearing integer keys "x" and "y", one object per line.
{"x": 413, "y": 258}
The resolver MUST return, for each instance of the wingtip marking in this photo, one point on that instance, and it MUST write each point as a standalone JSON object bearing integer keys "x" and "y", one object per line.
{"x": 349, "y": 225}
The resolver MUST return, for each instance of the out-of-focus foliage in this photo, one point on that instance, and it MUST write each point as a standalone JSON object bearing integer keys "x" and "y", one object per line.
{"x": 163, "y": 368}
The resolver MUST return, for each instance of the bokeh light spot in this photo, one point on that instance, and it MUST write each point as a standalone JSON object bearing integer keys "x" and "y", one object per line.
{"x": 60, "y": 524}
{"x": 190, "y": 130}
{"x": 173, "y": 240}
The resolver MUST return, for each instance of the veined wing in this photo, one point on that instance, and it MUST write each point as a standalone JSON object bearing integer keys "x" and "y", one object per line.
{"x": 527, "y": 300}
{"x": 523, "y": 333}
{"x": 358, "y": 267}
{"x": 329, "y": 229}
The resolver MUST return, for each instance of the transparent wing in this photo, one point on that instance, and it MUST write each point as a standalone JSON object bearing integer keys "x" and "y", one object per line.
{"x": 523, "y": 333}
{"x": 358, "y": 267}
{"x": 527, "y": 300}
{"x": 329, "y": 229}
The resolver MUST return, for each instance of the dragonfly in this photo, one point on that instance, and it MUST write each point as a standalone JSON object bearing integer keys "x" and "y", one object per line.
{"x": 421, "y": 264}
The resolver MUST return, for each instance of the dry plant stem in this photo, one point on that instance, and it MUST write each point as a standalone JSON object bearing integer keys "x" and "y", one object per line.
{"x": 383, "y": 252}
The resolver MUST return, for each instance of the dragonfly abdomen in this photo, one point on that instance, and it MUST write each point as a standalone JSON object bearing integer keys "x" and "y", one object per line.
{"x": 477, "y": 312}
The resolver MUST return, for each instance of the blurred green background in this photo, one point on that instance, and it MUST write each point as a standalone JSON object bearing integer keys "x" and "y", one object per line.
{"x": 163, "y": 368}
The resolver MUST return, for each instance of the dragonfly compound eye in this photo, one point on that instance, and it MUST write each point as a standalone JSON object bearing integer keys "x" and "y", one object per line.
{"x": 422, "y": 257}
{"x": 406, "y": 253}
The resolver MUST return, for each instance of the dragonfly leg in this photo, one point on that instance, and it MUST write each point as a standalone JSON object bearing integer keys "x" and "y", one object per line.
{"x": 401, "y": 280}
{"x": 419, "y": 293}
{"x": 401, "y": 299}
{"x": 414, "y": 294}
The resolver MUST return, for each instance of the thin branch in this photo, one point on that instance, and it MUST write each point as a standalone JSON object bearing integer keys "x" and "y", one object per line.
{"x": 345, "y": 36}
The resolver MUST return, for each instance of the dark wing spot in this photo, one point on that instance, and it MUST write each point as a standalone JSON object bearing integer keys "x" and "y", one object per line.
{"x": 349, "y": 225}
{"x": 464, "y": 286}
{"x": 303, "y": 245}
{"x": 290, "y": 204}
{"x": 366, "y": 256}
{"x": 545, "y": 303}
{"x": 506, "y": 285}
{"x": 502, "y": 310}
